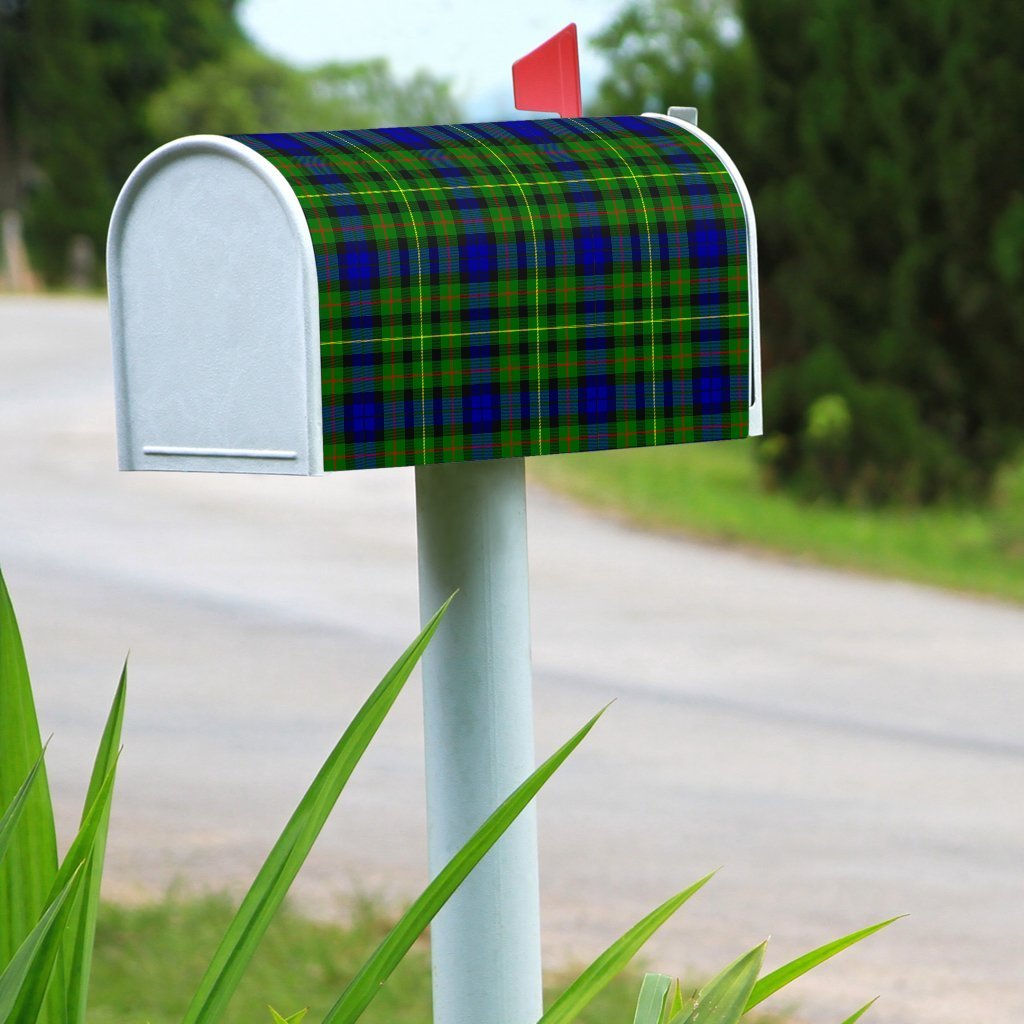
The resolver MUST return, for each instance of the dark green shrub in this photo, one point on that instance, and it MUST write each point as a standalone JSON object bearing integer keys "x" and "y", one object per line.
{"x": 1008, "y": 508}
{"x": 876, "y": 140}
{"x": 837, "y": 436}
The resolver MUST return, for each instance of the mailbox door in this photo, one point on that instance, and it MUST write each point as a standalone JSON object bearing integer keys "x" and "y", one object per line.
{"x": 214, "y": 316}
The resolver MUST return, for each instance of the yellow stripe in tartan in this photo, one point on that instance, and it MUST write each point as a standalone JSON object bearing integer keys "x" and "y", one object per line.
{"x": 419, "y": 282}
{"x": 645, "y": 321}
{"x": 536, "y": 276}
{"x": 504, "y": 184}
{"x": 650, "y": 267}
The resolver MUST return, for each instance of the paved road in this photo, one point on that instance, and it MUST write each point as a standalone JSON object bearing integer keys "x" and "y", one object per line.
{"x": 846, "y": 748}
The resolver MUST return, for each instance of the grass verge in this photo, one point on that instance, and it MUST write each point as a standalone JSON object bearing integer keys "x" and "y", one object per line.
{"x": 149, "y": 959}
{"x": 712, "y": 491}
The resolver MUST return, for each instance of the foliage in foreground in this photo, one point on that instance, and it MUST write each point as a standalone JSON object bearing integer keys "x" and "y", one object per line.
{"x": 728, "y": 997}
{"x": 725, "y": 998}
{"x": 48, "y": 914}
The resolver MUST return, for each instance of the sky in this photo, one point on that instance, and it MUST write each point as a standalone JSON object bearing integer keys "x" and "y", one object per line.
{"x": 471, "y": 42}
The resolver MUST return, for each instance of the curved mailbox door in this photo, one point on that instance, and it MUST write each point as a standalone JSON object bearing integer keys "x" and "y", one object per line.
{"x": 214, "y": 315}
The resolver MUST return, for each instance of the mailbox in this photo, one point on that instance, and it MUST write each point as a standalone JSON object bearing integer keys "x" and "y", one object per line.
{"x": 294, "y": 303}
{"x": 453, "y": 297}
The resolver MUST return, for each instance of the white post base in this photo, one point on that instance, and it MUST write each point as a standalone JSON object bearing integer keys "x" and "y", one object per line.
{"x": 478, "y": 720}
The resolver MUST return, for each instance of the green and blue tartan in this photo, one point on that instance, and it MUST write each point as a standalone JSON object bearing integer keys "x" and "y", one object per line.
{"x": 522, "y": 288}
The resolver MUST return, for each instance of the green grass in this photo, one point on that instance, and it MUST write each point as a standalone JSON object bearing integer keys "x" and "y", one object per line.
{"x": 149, "y": 959}
{"x": 712, "y": 491}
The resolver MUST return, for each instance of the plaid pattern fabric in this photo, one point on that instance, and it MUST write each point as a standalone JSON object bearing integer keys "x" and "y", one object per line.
{"x": 522, "y": 288}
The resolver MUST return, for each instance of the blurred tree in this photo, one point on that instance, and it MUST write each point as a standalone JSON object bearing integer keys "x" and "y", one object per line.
{"x": 75, "y": 76}
{"x": 365, "y": 94}
{"x": 12, "y": 15}
{"x": 249, "y": 91}
{"x": 88, "y": 87}
{"x": 664, "y": 52}
{"x": 879, "y": 140}
{"x": 225, "y": 97}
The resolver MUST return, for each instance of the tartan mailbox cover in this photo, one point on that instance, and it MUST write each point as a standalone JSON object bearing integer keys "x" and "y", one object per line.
{"x": 293, "y": 303}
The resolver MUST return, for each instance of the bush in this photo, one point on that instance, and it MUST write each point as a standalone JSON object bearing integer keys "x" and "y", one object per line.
{"x": 1008, "y": 508}
{"x": 839, "y": 437}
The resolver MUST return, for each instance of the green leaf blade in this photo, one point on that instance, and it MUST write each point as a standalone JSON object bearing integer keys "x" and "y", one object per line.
{"x": 72, "y": 867}
{"x": 295, "y": 1018}
{"x": 23, "y": 983}
{"x": 651, "y": 1003}
{"x": 595, "y": 977}
{"x": 29, "y": 868}
{"x": 82, "y": 930}
{"x": 676, "y": 1003}
{"x": 854, "y": 1017}
{"x": 372, "y": 975}
{"x": 782, "y": 976}
{"x": 12, "y": 815}
{"x": 278, "y": 872}
{"x": 723, "y": 1000}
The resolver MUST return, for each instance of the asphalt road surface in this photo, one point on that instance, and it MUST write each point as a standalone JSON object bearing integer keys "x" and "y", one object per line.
{"x": 846, "y": 748}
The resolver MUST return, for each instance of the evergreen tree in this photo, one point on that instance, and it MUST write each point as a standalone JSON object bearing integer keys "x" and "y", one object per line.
{"x": 88, "y": 87}
{"x": 75, "y": 81}
{"x": 880, "y": 143}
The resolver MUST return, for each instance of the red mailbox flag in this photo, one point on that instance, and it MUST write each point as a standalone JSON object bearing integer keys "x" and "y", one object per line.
{"x": 548, "y": 78}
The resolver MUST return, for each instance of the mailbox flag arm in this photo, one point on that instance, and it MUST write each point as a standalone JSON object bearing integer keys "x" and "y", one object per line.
{"x": 548, "y": 78}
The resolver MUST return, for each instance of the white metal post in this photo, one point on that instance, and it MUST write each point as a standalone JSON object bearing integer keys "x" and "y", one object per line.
{"x": 478, "y": 712}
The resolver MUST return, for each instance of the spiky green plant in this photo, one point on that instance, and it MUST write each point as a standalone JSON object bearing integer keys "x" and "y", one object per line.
{"x": 48, "y": 909}
{"x": 725, "y": 999}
